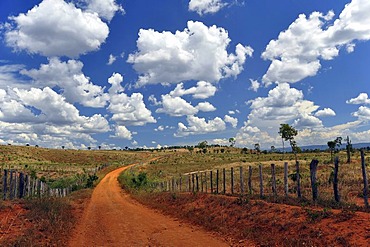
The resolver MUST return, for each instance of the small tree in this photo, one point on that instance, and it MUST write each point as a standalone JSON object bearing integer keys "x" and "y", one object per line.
{"x": 273, "y": 149}
{"x": 331, "y": 145}
{"x": 288, "y": 133}
{"x": 257, "y": 147}
{"x": 232, "y": 141}
{"x": 202, "y": 144}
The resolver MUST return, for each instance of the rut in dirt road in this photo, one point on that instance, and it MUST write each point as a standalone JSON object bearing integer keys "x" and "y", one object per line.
{"x": 112, "y": 218}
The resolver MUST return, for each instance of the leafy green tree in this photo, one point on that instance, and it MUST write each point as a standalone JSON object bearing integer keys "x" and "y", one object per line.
{"x": 288, "y": 133}
{"x": 232, "y": 141}
{"x": 202, "y": 144}
{"x": 331, "y": 145}
{"x": 257, "y": 147}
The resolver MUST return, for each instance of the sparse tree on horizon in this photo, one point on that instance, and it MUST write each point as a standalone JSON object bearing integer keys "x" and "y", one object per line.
{"x": 288, "y": 133}
{"x": 232, "y": 141}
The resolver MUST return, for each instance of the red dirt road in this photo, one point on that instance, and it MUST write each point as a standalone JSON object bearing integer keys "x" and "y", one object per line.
{"x": 112, "y": 218}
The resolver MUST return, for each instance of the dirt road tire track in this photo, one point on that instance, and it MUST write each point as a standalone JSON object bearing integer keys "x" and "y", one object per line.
{"x": 112, "y": 218}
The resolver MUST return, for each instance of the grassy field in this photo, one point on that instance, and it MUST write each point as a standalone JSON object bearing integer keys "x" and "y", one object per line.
{"x": 180, "y": 163}
{"x": 60, "y": 168}
{"x": 55, "y": 166}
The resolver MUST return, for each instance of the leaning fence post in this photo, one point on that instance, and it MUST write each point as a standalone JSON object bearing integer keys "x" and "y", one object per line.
{"x": 273, "y": 177}
{"x": 241, "y": 180}
{"x": 232, "y": 180}
{"x": 335, "y": 180}
{"x": 250, "y": 180}
{"x": 261, "y": 180}
{"x": 286, "y": 188}
{"x": 313, "y": 170}
{"x": 364, "y": 175}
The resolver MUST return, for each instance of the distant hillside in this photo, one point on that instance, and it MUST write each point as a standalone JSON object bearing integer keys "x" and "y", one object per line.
{"x": 325, "y": 147}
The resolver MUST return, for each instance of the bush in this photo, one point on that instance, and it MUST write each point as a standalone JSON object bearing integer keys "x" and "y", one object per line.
{"x": 135, "y": 182}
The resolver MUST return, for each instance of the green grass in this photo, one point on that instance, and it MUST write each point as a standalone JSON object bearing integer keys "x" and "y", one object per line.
{"x": 181, "y": 163}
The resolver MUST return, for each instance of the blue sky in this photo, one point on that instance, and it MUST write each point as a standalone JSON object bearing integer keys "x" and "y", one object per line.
{"x": 113, "y": 73}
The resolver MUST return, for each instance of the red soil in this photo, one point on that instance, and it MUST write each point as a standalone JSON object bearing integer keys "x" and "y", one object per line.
{"x": 112, "y": 218}
{"x": 13, "y": 222}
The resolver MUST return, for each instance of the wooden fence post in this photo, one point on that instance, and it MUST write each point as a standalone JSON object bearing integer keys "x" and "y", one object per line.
{"x": 250, "y": 180}
{"x": 193, "y": 182}
{"x": 189, "y": 182}
{"x": 241, "y": 180}
{"x": 313, "y": 170}
{"x": 299, "y": 194}
{"x": 5, "y": 179}
{"x": 261, "y": 180}
{"x": 273, "y": 178}
{"x": 224, "y": 180}
{"x": 11, "y": 185}
{"x": 21, "y": 185}
{"x": 232, "y": 180}
{"x": 286, "y": 188}
{"x": 211, "y": 178}
{"x": 217, "y": 180}
{"x": 205, "y": 179}
{"x": 364, "y": 175}
{"x": 180, "y": 183}
{"x": 197, "y": 180}
{"x": 201, "y": 182}
{"x": 335, "y": 180}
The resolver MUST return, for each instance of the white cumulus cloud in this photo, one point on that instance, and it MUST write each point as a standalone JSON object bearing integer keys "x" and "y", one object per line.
{"x": 56, "y": 28}
{"x": 197, "y": 126}
{"x": 127, "y": 110}
{"x": 297, "y": 52}
{"x": 69, "y": 76}
{"x": 104, "y": 8}
{"x": 206, "y": 6}
{"x": 231, "y": 120}
{"x": 205, "y": 107}
{"x": 361, "y": 99}
{"x": 203, "y": 90}
{"x": 196, "y": 53}
{"x": 122, "y": 132}
{"x": 176, "y": 106}
{"x": 326, "y": 112}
